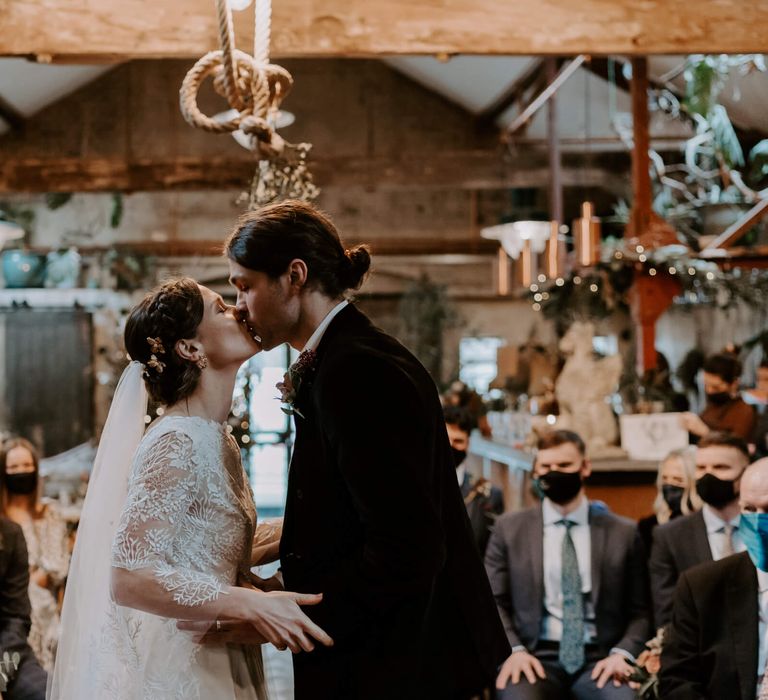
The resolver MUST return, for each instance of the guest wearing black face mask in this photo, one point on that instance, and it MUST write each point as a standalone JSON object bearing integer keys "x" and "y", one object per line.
{"x": 710, "y": 534}
{"x": 45, "y": 532}
{"x": 725, "y": 411}
{"x": 676, "y": 493}
{"x": 484, "y": 502}
{"x": 570, "y": 583}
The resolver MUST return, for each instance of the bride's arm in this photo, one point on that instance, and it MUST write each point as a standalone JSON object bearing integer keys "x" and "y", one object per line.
{"x": 266, "y": 542}
{"x": 147, "y": 577}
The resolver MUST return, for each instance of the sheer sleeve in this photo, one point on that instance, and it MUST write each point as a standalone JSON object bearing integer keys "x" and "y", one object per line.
{"x": 150, "y": 568}
{"x": 266, "y": 542}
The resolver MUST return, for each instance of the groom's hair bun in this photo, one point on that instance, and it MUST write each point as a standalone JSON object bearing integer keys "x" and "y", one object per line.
{"x": 171, "y": 312}
{"x": 267, "y": 240}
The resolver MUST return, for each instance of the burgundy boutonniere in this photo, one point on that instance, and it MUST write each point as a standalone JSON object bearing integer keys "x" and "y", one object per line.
{"x": 289, "y": 387}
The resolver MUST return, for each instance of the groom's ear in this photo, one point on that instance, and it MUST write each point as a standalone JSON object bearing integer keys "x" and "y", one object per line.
{"x": 189, "y": 350}
{"x": 297, "y": 273}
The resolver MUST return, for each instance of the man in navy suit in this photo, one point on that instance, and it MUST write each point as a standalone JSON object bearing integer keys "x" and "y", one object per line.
{"x": 484, "y": 501}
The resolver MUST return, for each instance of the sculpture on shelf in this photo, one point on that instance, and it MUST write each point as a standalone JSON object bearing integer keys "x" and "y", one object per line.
{"x": 583, "y": 389}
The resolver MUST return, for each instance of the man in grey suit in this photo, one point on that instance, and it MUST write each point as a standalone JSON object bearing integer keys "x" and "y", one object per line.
{"x": 709, "y": 535}
{"x": 570, "y": 584}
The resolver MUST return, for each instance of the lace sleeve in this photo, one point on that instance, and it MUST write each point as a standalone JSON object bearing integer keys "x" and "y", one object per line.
{"x": 161, "y": 491}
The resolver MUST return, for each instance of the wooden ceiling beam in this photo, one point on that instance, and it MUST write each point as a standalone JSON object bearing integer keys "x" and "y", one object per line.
{"x": 96, "y": 31}
{"x": 475, "y": 170}
{"x": 395, "y": 246}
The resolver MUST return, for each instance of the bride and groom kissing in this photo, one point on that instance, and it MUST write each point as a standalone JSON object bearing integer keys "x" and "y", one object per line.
{"x": 381, "y": 592}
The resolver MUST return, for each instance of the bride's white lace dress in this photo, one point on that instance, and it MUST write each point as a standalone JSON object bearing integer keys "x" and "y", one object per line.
{"x": 188, "y": 523}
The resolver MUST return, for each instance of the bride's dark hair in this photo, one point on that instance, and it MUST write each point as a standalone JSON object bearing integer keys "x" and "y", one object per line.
{"x": 171, "y": 312}
{"x": 268, "y": 239}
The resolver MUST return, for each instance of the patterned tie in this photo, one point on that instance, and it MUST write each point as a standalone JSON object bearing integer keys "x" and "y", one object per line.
{"x": 728, "y": 530}
{"x": 572, "y": 640}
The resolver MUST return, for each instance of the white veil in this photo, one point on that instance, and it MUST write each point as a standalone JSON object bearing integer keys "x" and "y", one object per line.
{"x": 87, "y": 597}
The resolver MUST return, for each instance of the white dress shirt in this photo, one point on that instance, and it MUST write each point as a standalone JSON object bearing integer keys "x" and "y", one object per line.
{"x": 317, "y": 336}
{"x": 762, "y": 603}
{"x": 716, "y": 533}
{"x": 554, "y": 533}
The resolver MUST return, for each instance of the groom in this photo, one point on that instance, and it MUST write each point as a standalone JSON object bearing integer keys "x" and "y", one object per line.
{"x": 374, "y": 518}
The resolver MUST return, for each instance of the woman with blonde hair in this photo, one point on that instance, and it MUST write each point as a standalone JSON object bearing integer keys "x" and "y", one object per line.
{"x": 675, "y": 492}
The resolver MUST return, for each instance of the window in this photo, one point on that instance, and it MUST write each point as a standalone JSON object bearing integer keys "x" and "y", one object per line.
{"x": 270, "y": 431}
{"x": 477, "y": 361}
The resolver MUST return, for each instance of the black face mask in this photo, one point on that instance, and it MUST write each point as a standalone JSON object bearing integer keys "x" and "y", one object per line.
{"x": 719, "y": 398}
{"x": 673, "y": 495}
{"x": 21, "y": 484}
{"x": 716, "y": 492}
{"x": 458, "y": 456}
{"x": 559, "y": 487}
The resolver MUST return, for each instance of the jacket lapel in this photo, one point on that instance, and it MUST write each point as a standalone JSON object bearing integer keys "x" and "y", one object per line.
{"x": 700, "y": 539}
{"x": 597, "y": 536}
{"x": 743, "y": 615}
{"x": 349, "y": 317}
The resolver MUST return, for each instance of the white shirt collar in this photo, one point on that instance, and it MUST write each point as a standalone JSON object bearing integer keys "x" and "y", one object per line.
{"x": 762, "y": 580}
{"x": 714, "y": 522}
{"x": 317, "y": 336}
{"x": 460, "y": 472}
{"x": 551, "y": 515}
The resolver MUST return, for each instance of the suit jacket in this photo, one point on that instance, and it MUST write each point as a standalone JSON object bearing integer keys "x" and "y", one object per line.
{"x": 515, "y": 564}
{"x": 482, "y": 510}
{"x": 712, "y": 646}
{"x": 375, "y": 521}
{"x": 14, "y": 583}
{"x": 677, "y": 546}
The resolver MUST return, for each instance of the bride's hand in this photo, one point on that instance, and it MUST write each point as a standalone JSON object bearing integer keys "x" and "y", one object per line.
{"x": 222, "y": 632}
{"x": 278, "y": 618}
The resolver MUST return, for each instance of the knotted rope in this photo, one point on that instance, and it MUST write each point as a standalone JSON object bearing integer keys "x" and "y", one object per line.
{"x": 252, "y": 85}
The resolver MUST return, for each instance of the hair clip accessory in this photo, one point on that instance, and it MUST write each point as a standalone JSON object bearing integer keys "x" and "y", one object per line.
{"x": 156, "y": 346}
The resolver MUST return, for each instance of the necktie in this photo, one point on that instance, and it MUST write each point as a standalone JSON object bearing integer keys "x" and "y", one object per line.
{"x": 572, "y": 641}
{"x": 728, "y": 529}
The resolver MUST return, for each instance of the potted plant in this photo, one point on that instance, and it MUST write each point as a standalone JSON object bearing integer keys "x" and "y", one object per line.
{"x": 716, "y": 183}
{"x": 21, "y": 267}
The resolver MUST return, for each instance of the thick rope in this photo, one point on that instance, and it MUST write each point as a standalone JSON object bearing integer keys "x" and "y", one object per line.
{"x": 252, "y": 86}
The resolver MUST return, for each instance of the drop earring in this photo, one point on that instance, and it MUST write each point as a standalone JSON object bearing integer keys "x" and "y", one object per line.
{"x": 202, "y": 363}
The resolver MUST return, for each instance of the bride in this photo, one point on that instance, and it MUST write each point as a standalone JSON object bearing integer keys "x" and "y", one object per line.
{"x": 168, "y": 530}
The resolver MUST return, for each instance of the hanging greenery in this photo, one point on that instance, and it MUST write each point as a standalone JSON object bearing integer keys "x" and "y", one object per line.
{"x": 600, "y": 291}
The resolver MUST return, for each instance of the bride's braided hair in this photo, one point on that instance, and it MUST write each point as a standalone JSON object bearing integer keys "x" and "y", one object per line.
{"x": 171, "y": 312}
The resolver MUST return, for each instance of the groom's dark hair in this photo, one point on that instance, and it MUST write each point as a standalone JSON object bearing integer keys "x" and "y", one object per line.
{"x": 268, "y": 239}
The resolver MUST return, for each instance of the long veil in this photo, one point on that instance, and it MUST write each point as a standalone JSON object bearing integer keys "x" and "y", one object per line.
{"x": 87, "y": 596}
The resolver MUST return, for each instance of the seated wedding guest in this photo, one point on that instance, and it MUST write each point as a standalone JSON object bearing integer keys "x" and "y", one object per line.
{"x": 675, "y": 493}
{"x": 717, "y": 643}
{"x": 710, "y": 534}
{"x": 46, "y": 536}
{"x": 725, "y": 410}
{"x": 29, "y": 680}
{"x": 570, "y": 584}
{"x": 484, "y": 502}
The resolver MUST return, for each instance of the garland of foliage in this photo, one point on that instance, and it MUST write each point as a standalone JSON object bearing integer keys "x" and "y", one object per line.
{"x": 599, "y": 291}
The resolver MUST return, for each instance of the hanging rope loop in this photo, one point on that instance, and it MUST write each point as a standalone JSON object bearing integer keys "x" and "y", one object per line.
{"x": 252, "y": 86}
